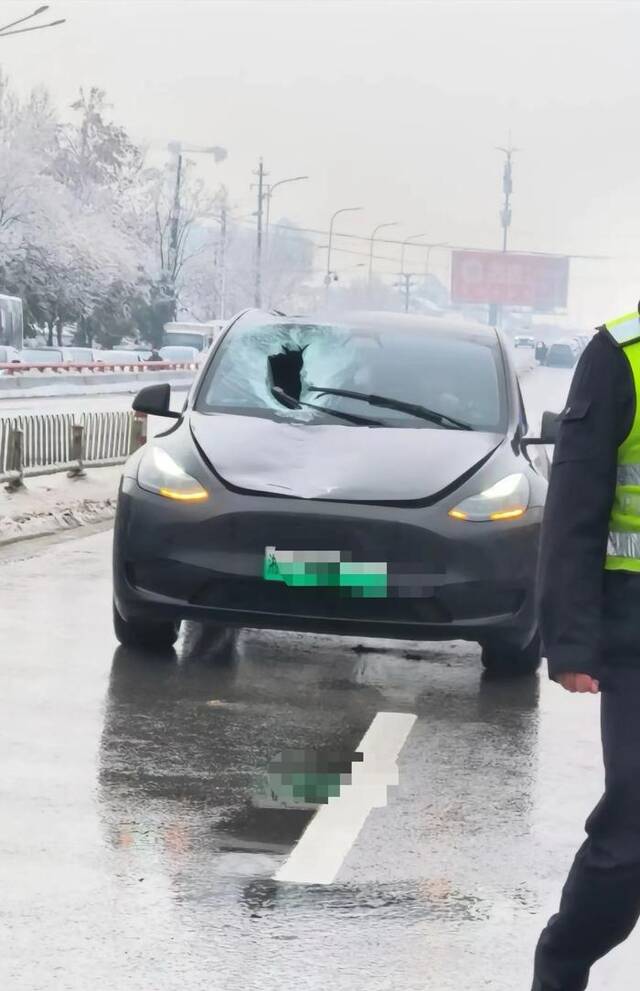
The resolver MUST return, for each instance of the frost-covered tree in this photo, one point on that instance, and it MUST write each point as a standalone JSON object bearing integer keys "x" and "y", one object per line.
{"x": 90, "y": 236}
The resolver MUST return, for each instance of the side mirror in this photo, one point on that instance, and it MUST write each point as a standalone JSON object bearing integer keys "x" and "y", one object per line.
{"x": 548, "y": 430}
{"x": 154, "y": 400}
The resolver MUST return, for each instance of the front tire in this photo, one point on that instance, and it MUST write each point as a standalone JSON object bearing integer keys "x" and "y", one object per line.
{"x": 506, "y": 660}
{"x": 145, "y": 634}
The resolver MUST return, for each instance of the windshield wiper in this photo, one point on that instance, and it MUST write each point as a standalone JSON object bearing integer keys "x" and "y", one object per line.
{"x": 443, "y": 419}
{"x": 292, "y": 403}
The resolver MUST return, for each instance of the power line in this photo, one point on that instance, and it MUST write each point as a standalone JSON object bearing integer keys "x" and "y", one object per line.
{"x": 450, "y": 246}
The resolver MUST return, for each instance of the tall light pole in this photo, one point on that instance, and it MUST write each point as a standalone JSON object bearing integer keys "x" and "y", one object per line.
{"x": 408, "y": 240}
{"x": 495, "y": 310}
{"x": 328, "y": 276}
{"x": 174, "y": 230}
{"x": 507, "y": 188}
{"x": 268, "y": 194}
{"x": 391, "y": 223}
{"x": 5, "y": 30}
{"x": 430, "y": 247}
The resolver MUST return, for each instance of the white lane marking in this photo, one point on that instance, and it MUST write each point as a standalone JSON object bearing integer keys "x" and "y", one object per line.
{"x": 322, "y": 848}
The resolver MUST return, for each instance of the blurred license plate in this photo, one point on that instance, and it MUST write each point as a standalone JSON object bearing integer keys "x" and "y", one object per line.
{"x": 325, "y": 569}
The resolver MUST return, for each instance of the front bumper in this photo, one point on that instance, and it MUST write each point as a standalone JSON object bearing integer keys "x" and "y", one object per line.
{"x": 447, "y": 579}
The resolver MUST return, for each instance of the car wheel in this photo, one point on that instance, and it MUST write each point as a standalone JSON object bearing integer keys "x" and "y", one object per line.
{"x": 506, "y": 659}
{"x": 144, "y": 633}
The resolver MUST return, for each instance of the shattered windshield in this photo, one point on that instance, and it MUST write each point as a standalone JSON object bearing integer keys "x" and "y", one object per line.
{"x": 267, "y": 369}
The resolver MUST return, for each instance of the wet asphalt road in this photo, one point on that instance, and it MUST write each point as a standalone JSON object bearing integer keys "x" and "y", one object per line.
{"x": 132, "y": 856}
{"x": 135, "y": 856}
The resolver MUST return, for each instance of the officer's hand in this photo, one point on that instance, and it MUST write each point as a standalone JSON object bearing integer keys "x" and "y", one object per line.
{"x": 579, "y": 683}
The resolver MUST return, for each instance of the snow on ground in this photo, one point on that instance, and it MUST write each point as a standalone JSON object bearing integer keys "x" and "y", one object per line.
{"x": 53, "y": 503}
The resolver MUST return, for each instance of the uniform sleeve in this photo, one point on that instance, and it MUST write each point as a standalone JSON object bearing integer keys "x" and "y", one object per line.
{"x": 596, "y": 419}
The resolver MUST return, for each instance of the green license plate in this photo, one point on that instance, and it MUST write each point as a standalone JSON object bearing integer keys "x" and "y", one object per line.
{"x": 326, "y": 569}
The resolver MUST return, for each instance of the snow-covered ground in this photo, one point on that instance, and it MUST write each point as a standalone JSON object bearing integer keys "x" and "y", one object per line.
{"x": 53, "y": 503}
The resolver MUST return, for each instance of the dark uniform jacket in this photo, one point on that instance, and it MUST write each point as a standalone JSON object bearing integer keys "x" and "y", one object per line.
{"x": 588, "y": 617}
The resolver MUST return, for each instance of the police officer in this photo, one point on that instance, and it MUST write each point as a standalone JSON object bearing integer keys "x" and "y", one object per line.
{"x": 589, "y": 607}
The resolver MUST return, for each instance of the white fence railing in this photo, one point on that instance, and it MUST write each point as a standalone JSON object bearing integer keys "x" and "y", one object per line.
{"x": 52, "y": 442}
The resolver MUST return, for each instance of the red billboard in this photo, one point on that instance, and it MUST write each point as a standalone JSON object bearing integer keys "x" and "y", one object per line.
{"x": 509, "y": 278}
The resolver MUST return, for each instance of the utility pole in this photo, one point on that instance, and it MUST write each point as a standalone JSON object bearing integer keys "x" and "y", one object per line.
{"x": 406, "y": 285}
{"x": 261, "y": 174}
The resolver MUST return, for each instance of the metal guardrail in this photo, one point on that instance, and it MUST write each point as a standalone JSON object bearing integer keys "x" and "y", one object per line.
{"x": 18, "y": 368}
{"x": 45, "y": 443}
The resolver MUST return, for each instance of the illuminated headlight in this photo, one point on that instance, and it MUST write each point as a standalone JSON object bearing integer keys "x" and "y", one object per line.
{"x": 159, "y": 473}
{"x": 506, "y": 500}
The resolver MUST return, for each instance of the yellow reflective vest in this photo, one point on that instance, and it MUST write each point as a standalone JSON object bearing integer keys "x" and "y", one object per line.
{"x": 623, "y": 545}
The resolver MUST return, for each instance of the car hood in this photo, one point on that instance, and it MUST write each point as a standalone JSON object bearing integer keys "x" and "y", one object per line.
{"x": 338, "y": 462}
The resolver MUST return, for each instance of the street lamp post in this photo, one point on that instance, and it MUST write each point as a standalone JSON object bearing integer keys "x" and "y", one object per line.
{"x": 174, "y": 230}
{"x": 391, "y": 223}
{"x": 430, "y": 247}
{"x": 495, "y": 309}
{"x": 5, "y": 32}
{"x": 268, "y": 194}
{"x": 408, "y": 240}
{"x": 344, "y": 209}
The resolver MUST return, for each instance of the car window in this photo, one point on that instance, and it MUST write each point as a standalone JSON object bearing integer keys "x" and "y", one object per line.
{"x": 456, "y": 375}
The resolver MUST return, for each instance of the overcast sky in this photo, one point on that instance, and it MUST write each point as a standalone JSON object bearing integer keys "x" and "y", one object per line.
{"x": 396, "y": 106}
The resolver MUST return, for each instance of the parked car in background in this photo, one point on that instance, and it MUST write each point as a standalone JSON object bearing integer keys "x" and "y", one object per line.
{"x": 78, "y": 355}
{"x": 9, "y": 356}
{"x": 180, "y": 354}
{"x": 563, "y": 354}
{"x": 117, "y": 357}
{"x": 42, "y": 356}
{"x": 143, "y": 354}
{"x": 364, "y": 476}
{"x": 524, "y": 342}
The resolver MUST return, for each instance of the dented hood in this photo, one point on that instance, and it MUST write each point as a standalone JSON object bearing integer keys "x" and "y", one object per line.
{"x": 337, "y": 462}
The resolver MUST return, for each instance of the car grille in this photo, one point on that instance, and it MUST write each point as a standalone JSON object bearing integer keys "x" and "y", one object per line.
{"x": 398, "y": 544}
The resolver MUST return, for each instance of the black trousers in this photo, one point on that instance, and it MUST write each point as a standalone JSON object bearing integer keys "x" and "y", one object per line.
{"x": 600, "y": 901}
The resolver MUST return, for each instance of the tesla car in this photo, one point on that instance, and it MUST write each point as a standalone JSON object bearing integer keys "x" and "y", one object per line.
{"x": 369, "y": 475}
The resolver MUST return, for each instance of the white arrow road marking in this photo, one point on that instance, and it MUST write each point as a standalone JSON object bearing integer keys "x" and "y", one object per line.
{"x": 322, "y": 848}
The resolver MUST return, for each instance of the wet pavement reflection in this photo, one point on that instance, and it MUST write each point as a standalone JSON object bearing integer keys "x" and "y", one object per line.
{"x": 136, "y": 852}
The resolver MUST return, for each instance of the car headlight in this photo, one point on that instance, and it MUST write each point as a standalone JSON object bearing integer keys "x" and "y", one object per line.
{"x": 159, "y": 473}
{"x": 506, "y": 500}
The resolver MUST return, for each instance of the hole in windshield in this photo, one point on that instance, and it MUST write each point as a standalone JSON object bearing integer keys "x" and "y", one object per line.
{"x": 279, "y": 371}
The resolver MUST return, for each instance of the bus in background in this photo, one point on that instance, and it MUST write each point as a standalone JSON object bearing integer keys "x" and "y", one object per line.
{"x": 11, "y": 324}
{"x": 193, "y": 335}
